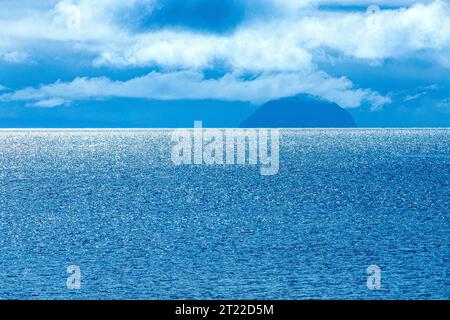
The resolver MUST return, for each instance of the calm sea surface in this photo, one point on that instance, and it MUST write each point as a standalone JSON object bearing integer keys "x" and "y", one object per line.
{"x": 112, "y": 203}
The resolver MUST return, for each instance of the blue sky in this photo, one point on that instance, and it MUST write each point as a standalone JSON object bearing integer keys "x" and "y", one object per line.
{"x": 91, "y": 62}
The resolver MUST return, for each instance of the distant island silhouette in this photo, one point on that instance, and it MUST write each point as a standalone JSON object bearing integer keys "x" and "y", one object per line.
{"x": 299, "y": 112}
{"x": 296, "y": 112}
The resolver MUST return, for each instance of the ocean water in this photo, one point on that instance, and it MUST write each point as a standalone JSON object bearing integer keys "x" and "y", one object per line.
{"x": 112, "y": 203}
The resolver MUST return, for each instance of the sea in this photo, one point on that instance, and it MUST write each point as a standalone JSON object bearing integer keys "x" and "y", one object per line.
{"x": 106, "y": 214}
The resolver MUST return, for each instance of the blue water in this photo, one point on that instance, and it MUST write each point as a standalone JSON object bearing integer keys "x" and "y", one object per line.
{"x": 112, "y": 203}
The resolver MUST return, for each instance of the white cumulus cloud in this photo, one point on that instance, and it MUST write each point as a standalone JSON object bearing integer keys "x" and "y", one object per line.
{"x": 281, "y": 52}
{"x": 192, "y": 85}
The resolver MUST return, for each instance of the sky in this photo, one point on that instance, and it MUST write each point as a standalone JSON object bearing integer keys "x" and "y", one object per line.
{"x": 139, "y": 62}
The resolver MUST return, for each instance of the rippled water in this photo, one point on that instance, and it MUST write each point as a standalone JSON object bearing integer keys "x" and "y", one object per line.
{"x": 112, "y": 202}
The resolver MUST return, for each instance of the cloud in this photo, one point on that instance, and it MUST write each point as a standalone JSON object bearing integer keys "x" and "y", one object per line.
{"x": 421, "y": 92}
{"x": 250, "y": 50}
{"x": 387, "y": 34}
{"x": 191, "y": 85}
{"x": 279, "y": 48}
{"x": 15, "y": 57}
{"x": 54, "y": 24}
{"x": 444, "y": 105}
{"x": 289, "y": 44}
{"x": 49, "y": 103}
{"x": 414, "y": 97}
{"x": 390, "y": 3}
{"x": 285, "y": 43}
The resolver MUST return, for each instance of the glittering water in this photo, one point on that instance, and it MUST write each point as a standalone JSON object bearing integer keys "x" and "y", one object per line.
{"x": 112, "y": 203}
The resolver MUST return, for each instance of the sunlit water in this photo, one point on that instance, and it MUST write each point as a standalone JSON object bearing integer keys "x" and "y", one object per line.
{"x": 112, "y": 203}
